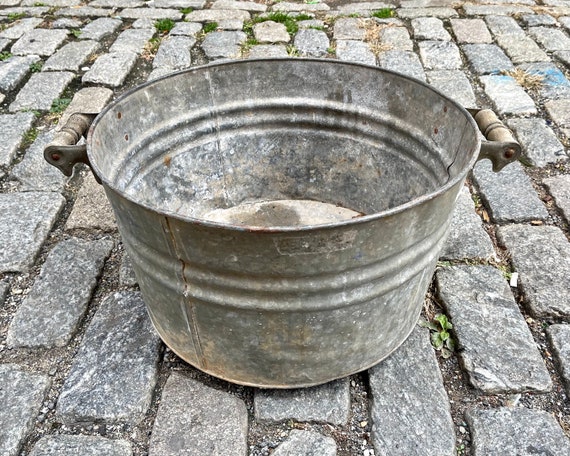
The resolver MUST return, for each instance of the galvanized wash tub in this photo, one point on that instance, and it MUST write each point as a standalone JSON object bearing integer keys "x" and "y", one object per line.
{"x": 284, "y": 217}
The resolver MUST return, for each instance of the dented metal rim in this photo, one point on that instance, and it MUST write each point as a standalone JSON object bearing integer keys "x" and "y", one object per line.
{"x": 279, "y": 229}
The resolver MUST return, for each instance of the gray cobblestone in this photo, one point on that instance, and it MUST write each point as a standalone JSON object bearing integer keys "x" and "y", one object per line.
{"x": 311, "y": 43}
{"x": 186, "y": 29}
{"x": 348, "y": 28}
{"x": 429, "y": 28}
{"x": 404, "y": 62}
{"x": 467, "y": 238}
{"x": 194, "y": 4}
{"x": 42, "y": 42}
{"x": 15, "y": 31}
{"x": 50, "y": 314}
{"x": 539, "y": 143}
{"x": 84, "y": 445}
{"x": 151, "y": 13}
{"x": 21, "y": 396}
{"x": 12, "y": 129}
{"x": 541, "y": 255}
{"x": 26, "y": 10}
{"x": 131, "y": 40}
{"x": 533, "y": 20}
{"x": 114, "y": 373}
{"x": 217, "y": 15}
{"x": 198, "y": 420}
{"x": 503, "y": 25}
{"x": 4, "y": 286}
{"x": 550, "y": 39}
{"x": 553, "y": 82}
{"x": 471, "y": 31}
{"x": 123, "y": 3}
{"x": 328, "y": 403}
{"x": 71, "y": 56}
{"x": 564, "y": 57}
{"x": 406, "y": 387}
{"x": 127, "y": 275}
{"x": 100, "y": 28}
{"x": 111, "y": 69}
{"x": 558, "y": 336}
{"x": 354, "y": 51}
{"x": 440, "y": 12}
{"x": 268, "y": 51}
{"x": 218, "y": 45}
{"x": 455, "y": 85}
{"x": 85, "y": 11}
{"x": 363, "y": 8}
{"x": 271, "y": 32}
{"x": 14, "y": 70}
{"x": 487, "y": 58}
{"x": 25, "y": 223}
{"x": 559, "y": 188}
{"x": 66, "y": 23}
{"x": 296, "y": 7}
{"x": 4, "y": 42}
{"x": 479, "y": 300}
{"x": 509, "y": 194}
{"x": 41, "y": 90}
{"x": 507, "y": 96}
{"x": 239, "y": 5}
{"x": 174, "y": 53}
{"x": 515, "y": 431}
{"x": 521, "y": 49}
{"x": 439, "y": 55}
{"x": 306, "y": 443}
{"x": 55, "y": 3}
{"x": 33, "y": 173}
{"x": 506, "y": 10}
{"x": 559, "y": 111}
{"x": 396, "y": 38}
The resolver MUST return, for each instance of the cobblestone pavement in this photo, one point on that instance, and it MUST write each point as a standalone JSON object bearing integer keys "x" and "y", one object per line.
{"x": 82, "y": 371}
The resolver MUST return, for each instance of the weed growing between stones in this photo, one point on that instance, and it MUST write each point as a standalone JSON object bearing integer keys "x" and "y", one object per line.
{"x": 12, "y": 17}
{"x": 186, "y": 10}
{"x": 59, "y": 105}
{"x": 36, "y": 67}
{"x": 75, "y": 32}
{"x": 29, "y": 137}
{"x": 384, "y": 13}
{"x": 292, "y": 51}
{"x": 372, "y": 31}
{"x": 209, "y": 27}
{"x": 150, "y": 48}
{"x": 164, "y": 26}
{"x": 5, "y": 55}
{"x": 439, "y": 334}
{"x": 290, "y": 22}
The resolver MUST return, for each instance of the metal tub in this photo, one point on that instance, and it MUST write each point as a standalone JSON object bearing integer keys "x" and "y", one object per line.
{"x": 284, "y": 217}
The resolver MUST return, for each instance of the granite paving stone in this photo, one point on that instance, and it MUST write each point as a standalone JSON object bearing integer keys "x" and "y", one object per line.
{"x": 429, "y": 28}
{"x": 217, "y": 15}
{"x": 4, "y": 42}
{"x": 533, "y": 20}
{"x": 312, "y": 23}
{"x": 348, "y": 28}
{"x": 43, "y": 42}
{"x": 559, "y": 188}
{"x": 131, "y": 40}
{"x": 71, "y": 56}
{"x": 487, "y": 58}
{"x": 404, "y": 62}
{"x": 111, "y": 69}
{"x": 26, "y": 221}
{"x": 312, "y": 43}
{"x": 440, "y": 12}
{"x": 479, "y": 301}
{"x": 553, "y": 83}
{"x": 306, "y": 443}
{"x": 194, "y": 419}
{"x": 14, "y": 69}
{"x": 271, "y": 32}
{"x": 100, "y": 28}
{"x": 558, "y": 336}
{"x": 328, "y": 403}
{"x": 455, "y": 85}
{"x": 25, "y": 10}
{"x": 439, "y": 55}
{"x": 186, "y": 29}
{"x": 550, "y": 39}
{"x": 563, "y": 56}
{"x": 516, "y": 431}
{"x": 50, "y": 313}
{"x": 406, "y": 388}
{"x": 66, "y": 23}
{"x": 264, "y": 51}
{"x": 467, "y": 238}
{"x": 194, "y": 4}
{"x": 237, "y": 5}
{"x": 541, "y": 256}
{"x": 231, "y": 24}
{"x": 174, "y": 53}
{"x": 151, "y": 13}
{"x": 17, "y": 29}
{"x": 296, "y": 7}
{"x": 127, "y": 275}
{"x": 34, "y": 173}
{"x": 364, "y": 8}
{"x": 144, "y": 23}
{"x": 21, "y": 396}
{"x": 354, "y": 51}
{"x": 539, "y": 143}
{"x": 84, "y": 445}
{"x": 12, "y": 129}
{"x": 471, "y": 31}
{"x": 54, "y": 3}
{"x": 506, "y": 10}
{"x": 508, "y": 194}
{"x": 396, "y": 38}
{"x": 507, "y": 95}
{"x": 41, "y": 90}
{"x": 521, "y": 49}
{"x": 559, "y": 112}
{"x": 219, "y": 45}
{"x": 503, "y": 25}
{"x": 114, "y": 372}
{"x": 4, "y": 286}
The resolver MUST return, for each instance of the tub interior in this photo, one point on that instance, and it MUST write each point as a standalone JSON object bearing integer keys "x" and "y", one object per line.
{"x": 281, "y": 142}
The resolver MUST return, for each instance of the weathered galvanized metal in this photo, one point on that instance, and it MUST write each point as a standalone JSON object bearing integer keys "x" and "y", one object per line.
{"x": 284, "y": 217}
